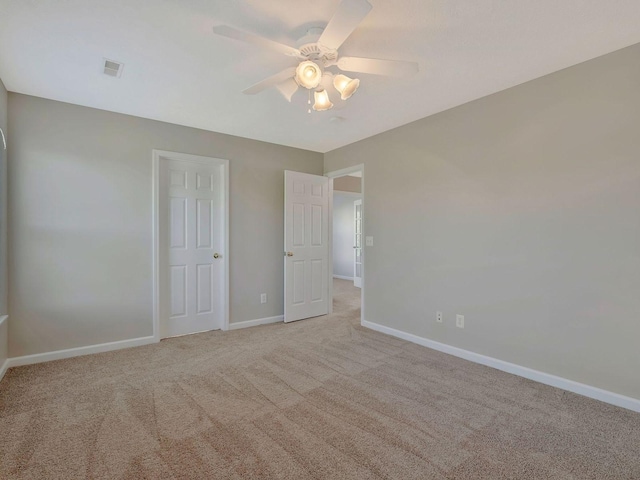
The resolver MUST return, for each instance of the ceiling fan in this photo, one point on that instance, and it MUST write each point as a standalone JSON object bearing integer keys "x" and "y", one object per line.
{"x": 316, "y": 52}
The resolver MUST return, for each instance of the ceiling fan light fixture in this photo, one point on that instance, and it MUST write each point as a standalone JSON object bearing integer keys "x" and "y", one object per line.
{"x": 345, "y": 85}
{"x": 322, "y": 101}
{"x": 308, "y": 74}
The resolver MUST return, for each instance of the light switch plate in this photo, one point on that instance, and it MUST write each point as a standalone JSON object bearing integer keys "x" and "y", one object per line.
{"x": 368, "y": 241}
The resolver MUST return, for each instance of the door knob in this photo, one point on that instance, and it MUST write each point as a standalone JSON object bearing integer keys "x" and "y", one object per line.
{"x": 216, "y": 255}
{"x": 289, "y": 254}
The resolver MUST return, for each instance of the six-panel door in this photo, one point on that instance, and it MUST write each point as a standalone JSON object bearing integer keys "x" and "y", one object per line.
{"x": 306, "y": 245}
{"x": 193, "y": 218}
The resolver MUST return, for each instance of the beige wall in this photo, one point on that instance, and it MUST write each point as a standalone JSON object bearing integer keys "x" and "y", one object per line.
{"x": 3, "y": 227}
{"x": 347, "y": 184}
{"x": 80, "y": 222}
{"x": 520, "y": 211}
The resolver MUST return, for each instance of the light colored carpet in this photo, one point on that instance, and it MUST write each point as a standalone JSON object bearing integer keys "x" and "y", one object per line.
{"x": 320, "y": 398}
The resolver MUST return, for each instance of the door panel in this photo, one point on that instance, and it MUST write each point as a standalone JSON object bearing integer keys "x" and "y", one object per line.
{"x": 317, "y": 229}
{"x": 298, "y": 225}
{"x": 204, "y": 288}
{"x": 298, "y": 282}
{"x": 178, "y": 222}
{"x": 316, "y": 281}
{"x": 204, "y": 224}
{"x": 204, "y": 182}
{"x": 178, "y": 290}
{"x": 306, "y": 245}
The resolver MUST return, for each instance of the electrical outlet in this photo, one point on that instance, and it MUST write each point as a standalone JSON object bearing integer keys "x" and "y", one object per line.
{"x": 263, "y": 298}
{"x": 439, "y": 317}
{"x": 460, "y": 321}
{"x": 368, "y": 241}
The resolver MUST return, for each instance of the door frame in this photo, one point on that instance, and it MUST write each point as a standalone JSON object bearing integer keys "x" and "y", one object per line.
{"x": 355, "y": 264}
{"x": 341, "y": 173}
{"x": 186, "y": 157}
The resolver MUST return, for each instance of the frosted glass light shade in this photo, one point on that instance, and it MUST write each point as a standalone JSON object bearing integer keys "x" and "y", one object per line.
{"x": 308, "y": 74}
{"x": 345, "y": 85}
{"x": 322, "y": 101}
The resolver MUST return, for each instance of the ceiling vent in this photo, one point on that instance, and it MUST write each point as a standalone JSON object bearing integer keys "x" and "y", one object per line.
{"x": 113, "y": 69}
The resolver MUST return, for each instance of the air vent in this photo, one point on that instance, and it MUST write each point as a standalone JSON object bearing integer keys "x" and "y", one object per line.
{"x": 113, "y": 69}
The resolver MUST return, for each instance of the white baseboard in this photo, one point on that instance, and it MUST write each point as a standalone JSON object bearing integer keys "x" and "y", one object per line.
{"x": 107, "y": 347}
{"x": 343, "y": 277}
{"x": 76, "y": 352}
{"x": 541, "y": 377}
{"x": 256, "y": 322}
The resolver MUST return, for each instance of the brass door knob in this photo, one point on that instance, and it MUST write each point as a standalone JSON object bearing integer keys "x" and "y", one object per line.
{"x": 216, "y": 255}
{"x": 289, "y": 254}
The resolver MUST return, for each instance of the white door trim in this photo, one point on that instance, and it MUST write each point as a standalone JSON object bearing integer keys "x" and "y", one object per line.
{"x": 341, "y": 173}
{"x": 185, "y": 157}
{"x": 357, "y": 279}
{"x": 353, "y": 195}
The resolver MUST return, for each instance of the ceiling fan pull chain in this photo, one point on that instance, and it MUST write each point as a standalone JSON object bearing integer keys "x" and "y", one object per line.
{"x": 309, "y": 101}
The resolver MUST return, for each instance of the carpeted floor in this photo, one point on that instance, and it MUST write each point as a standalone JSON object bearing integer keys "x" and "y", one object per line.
{"x": 320, "y": 398}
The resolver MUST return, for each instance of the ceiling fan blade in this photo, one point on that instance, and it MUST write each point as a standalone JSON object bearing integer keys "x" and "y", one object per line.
{"x": 392, "y": 68}
{"x": 288, "y": 88}
{"x": 348, "y": 16}
{"x": 271, "y": 81}
{"x": 230, "y": 32}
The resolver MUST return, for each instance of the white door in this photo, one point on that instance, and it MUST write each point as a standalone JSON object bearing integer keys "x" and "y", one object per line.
{"x": 306, "y": 212}
{"x": 357, "y": 243}
{"x": 191, "y": 229}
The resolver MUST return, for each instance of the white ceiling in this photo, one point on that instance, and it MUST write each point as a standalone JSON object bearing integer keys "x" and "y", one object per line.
{"x": 177, "y": 71}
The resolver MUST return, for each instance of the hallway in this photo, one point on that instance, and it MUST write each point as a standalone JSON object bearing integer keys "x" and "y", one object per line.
{"x": 346, "y": 299}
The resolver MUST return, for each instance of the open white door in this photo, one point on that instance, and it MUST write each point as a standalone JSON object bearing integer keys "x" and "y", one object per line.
{"x": 306, "y": 245}
{"x": 357, "y": 243}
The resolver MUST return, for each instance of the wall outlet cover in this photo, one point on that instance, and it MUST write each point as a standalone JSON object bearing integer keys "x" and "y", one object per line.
{"x": 368, "y": 241}
{"x": 460, "y": 321}
{"x": 263, "y": 298}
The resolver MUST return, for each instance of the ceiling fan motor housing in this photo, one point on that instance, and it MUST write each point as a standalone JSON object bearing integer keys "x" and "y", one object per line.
{"x": 319, "y": 54}
{"x": 314, "y": 51}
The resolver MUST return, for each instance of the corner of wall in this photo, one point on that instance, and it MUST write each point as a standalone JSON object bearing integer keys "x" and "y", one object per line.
{"x": 4, "y": 324}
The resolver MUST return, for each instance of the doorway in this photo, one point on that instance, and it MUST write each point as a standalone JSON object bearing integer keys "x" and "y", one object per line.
{"x": 311, "y": 286}
{"x": 347, "y": 242}
{"x": 191, "y": 261}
